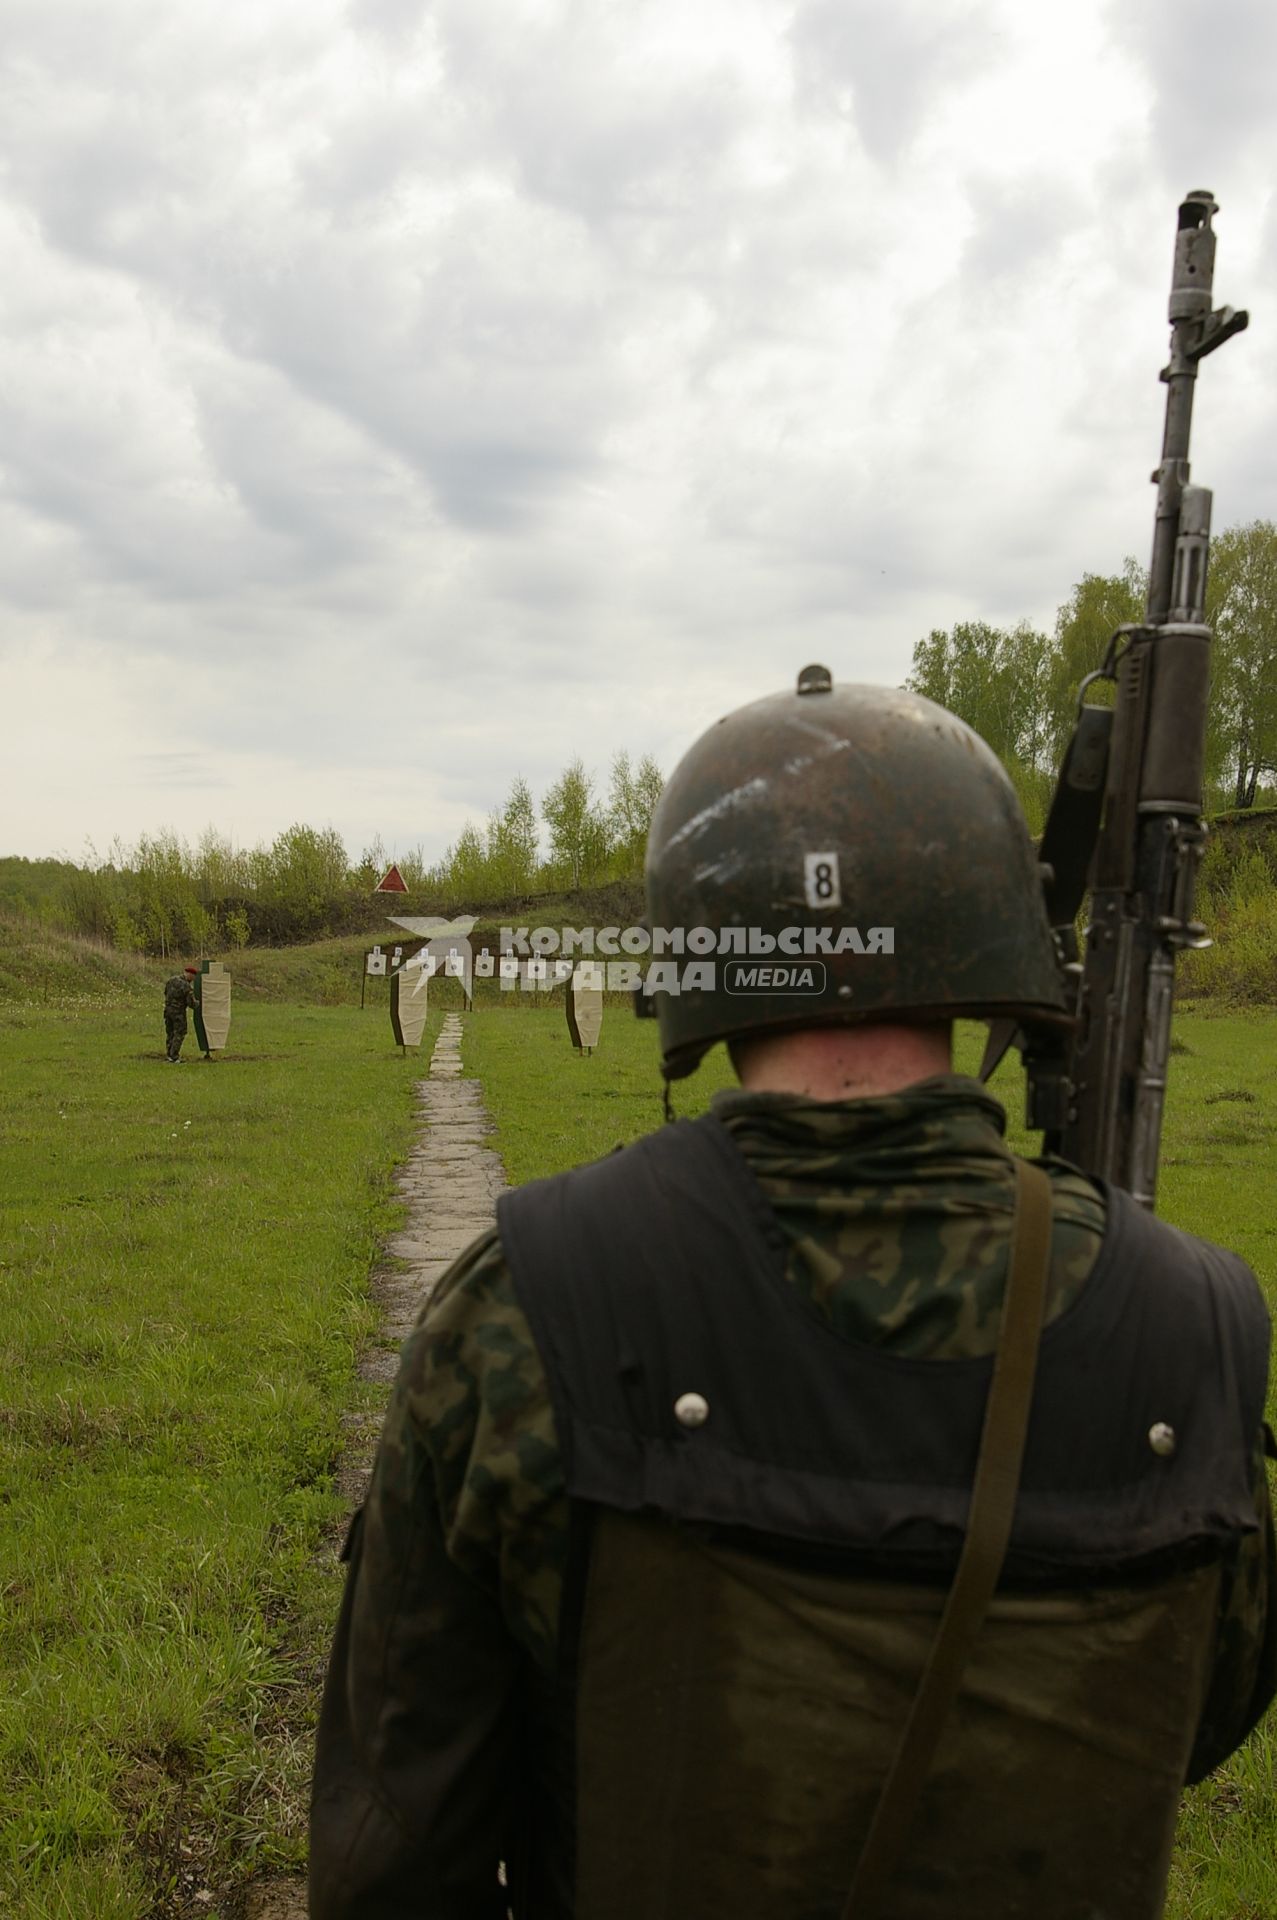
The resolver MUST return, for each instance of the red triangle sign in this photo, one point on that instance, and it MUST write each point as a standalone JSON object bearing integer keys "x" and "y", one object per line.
{"x": 392, "y": 881}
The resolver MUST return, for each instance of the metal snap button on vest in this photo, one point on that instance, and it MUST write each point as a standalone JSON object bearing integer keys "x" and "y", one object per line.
{"x": 1161, "y": 1438}
{"x": 691, "y": 1409}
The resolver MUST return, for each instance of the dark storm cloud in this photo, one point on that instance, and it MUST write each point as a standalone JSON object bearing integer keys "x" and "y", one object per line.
{"x": 1017, "y": 226}
{"x": 467, "y": 368}
{"x": 365, "y": 157}
{"x": 885, "y": 68}
{"x": 294, "y": 473}
{"x": 73, "y": 456}
{"x": 589, "y": 127}
{"x": 397, "y": 22}
{"x": 480, "y": 357}
{"x": 88, "y": 185}
{"x": 1212, "y": 73}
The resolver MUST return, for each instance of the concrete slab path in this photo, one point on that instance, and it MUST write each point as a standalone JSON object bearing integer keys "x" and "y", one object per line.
{"x": 450, "y": 1181}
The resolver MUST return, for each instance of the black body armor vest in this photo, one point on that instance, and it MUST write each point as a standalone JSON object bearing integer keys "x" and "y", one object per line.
{"x": 659, "y": 1272}
{"x": 744, "y": 1634}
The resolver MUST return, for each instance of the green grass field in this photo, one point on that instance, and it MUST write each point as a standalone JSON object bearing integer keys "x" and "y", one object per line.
{"x": 1219, "y": 1178}
{"x": 553, "y": 1108}
{"x": 184, "y": 1262}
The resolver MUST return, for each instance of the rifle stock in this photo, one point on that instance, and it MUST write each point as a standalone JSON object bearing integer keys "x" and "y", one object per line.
{"x": 1127, "y": 812}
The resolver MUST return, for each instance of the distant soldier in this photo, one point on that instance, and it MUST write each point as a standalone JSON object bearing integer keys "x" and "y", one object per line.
{"x": 179, "y": 994}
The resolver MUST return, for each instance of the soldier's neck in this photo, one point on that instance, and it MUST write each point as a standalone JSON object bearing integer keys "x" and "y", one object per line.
{"x": 843, "y": 1063}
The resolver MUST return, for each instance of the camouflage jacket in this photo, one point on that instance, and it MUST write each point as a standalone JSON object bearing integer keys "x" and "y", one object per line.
{"x": 179, "y": 994}
{"x": 897, "y": 1211}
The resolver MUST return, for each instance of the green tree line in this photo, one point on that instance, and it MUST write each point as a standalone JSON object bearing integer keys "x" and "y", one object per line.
{"x": 164, "y": 896}
{"x": 593, "y": 838}
{"x": 1018, "y": 687}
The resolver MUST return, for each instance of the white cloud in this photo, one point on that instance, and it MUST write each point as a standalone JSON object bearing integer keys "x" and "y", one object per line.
{"x": 396, "y": 396}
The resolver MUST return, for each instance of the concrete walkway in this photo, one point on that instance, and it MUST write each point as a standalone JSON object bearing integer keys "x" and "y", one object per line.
{"x": 450, "y": 1182}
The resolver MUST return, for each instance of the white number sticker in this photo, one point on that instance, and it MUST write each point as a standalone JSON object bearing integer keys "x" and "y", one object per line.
{"x": 820, "y": 871}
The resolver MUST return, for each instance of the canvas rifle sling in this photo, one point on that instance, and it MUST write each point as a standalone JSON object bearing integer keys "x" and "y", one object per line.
{"x": 1073, "y": 822}
{"x": 993, "y": 1496}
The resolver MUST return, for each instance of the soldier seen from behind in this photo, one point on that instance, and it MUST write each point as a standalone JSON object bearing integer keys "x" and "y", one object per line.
{"x": 179, "y": 994}
{"x": 813, "y": 1509}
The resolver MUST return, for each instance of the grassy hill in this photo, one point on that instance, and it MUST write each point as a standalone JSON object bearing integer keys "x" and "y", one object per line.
{"x": 40, "y": 966}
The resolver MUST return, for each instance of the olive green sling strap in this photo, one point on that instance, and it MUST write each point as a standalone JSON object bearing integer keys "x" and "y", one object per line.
{"x": 993, "y": 1496}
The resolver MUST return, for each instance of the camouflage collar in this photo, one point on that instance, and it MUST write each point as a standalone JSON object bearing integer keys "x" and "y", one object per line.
{"x": 947, "y": 1112}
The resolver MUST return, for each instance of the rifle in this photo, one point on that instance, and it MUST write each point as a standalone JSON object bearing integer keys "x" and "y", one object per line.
{"x": 1126, "y": 817}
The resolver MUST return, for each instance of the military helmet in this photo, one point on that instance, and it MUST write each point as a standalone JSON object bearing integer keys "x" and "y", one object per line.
{"x": 858, "y": 853}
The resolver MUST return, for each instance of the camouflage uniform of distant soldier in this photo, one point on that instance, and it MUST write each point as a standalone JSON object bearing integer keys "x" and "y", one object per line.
{"x": 179, "y": 994}
{"x": 657, "y": 1695}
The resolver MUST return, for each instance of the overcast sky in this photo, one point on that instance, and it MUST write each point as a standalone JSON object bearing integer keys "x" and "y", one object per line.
{"x": 399, "y": 395}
